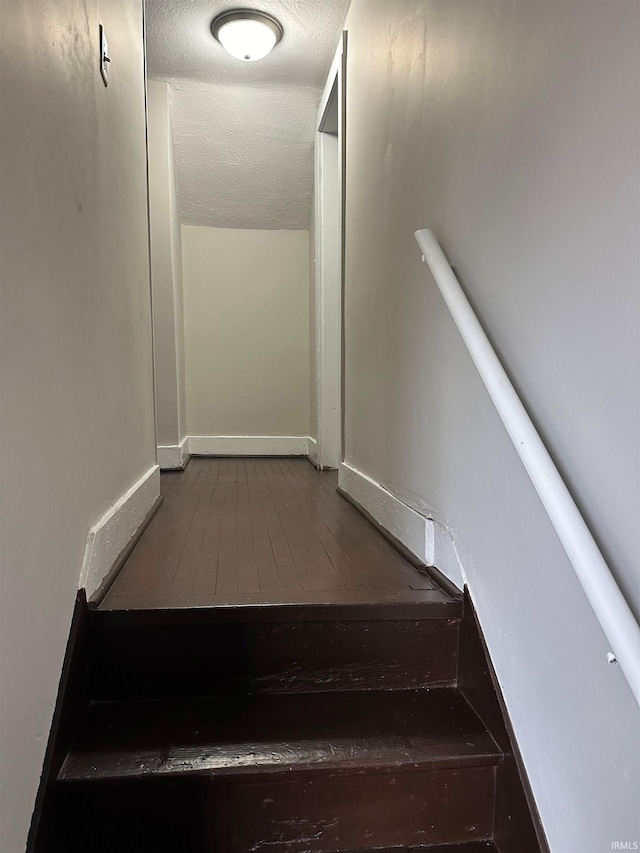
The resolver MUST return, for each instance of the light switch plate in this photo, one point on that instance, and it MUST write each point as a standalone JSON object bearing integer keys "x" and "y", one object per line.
{"x": 104, "y": 56}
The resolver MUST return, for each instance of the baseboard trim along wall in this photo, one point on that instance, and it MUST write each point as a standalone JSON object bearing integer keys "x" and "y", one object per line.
{"x": 414, "y": 531}
{"x": 249, "y": 445}
{"x": 173, "y": 457}
{"x": 109, "y": 537}
{"x": 423, "y": 536}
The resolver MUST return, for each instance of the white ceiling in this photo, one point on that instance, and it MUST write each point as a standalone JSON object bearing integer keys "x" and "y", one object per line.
{"x": 243, "y": 131}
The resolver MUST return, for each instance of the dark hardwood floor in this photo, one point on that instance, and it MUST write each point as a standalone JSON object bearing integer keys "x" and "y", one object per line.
{"x": 262, "y": 531}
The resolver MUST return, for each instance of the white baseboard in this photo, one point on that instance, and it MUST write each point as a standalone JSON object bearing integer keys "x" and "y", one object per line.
{"x": 109, "y": 537}
{"x": 312, "y": 450}
{"x": 415, "y": 531}
{"x": 249, "y": 445}
{"x": 172, "y": 456}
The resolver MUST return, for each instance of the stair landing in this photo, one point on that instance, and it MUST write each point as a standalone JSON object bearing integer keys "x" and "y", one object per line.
{"x": 255, "y": 532}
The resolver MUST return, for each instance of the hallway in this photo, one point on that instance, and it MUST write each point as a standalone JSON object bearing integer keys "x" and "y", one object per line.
{"x": 279, "y": 332}
{"x": 234, "y": 531}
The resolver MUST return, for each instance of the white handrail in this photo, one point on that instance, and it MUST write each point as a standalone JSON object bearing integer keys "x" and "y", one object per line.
{"x": 609, "y": 605}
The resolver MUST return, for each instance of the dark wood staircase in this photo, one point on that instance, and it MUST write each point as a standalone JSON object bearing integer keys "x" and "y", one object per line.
{"x": 298, "y": 728}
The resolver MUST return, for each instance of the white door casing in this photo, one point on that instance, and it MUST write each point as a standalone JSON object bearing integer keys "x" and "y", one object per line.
{"x": 329, "y": 182}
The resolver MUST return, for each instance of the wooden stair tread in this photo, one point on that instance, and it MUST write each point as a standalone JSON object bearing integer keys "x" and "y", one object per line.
{"x": 283, "y": 734}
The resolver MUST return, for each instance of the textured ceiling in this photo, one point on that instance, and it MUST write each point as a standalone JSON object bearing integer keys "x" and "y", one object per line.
{"x": 243, "y": 131}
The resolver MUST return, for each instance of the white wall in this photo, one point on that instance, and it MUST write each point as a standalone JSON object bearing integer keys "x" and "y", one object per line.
{"x": 77, "y": 424}
{"x": 166, "y": 272}
{"x": 246, "y": 298}
{"x": 512, "y": 130}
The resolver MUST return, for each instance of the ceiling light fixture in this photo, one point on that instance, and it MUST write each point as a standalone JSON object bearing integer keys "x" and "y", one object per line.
{"x": 246, "y": 34}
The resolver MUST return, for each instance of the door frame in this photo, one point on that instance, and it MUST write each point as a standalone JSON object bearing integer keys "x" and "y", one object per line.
{"x": 329, "y": 267}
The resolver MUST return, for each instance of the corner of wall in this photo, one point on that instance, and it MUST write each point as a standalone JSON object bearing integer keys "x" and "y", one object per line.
{"x": 313, "y": 453}
{"x": 445, "y": 555}
{"x": 172, "y": 457}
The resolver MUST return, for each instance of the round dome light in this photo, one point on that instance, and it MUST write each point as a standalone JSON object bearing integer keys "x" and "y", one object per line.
{"x": 246, "y": 34}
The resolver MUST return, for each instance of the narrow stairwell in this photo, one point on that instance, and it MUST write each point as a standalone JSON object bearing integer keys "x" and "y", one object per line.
{"x": 298, "y": 727}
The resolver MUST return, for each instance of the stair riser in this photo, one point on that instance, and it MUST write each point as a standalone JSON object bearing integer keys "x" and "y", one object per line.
{"x": 375, "y": 810}
{"x": 320, "y": 815}
{"x": 161, "y": 661}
